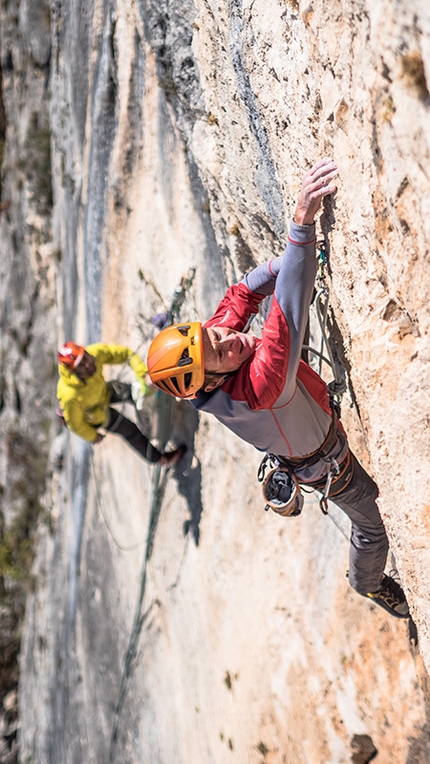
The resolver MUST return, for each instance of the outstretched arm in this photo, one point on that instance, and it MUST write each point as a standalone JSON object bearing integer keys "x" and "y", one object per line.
{"x": 278, "y": 358}
{"x": 262, "y": 279}
{"x": 317, "y": 183}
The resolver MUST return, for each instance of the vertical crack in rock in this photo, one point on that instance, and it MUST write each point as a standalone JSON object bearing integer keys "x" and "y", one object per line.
{"x": 169, "y": 31}
{"x": 71, "y": 43}
{"x": 134, "y": 106}
{"x": 267, "y": 181}
{"x": 103, "y": 122}
{"x": 65, "y": 704}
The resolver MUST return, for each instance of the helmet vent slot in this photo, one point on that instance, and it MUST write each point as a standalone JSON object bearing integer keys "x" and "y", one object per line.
{"x": 174, "y": 382}
{"x": 185, "y": 358}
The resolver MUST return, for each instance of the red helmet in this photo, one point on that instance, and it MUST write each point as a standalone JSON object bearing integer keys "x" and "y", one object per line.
{"x": 70, "y": 354}
{"x": 175, "y": 360}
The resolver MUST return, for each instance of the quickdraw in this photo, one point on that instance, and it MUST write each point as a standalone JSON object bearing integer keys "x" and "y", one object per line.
{"x": 180, "y": 294}
{"x": 338, "y": 478}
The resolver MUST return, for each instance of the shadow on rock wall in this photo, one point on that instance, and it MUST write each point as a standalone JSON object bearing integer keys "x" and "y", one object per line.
{"x": 189, "y": 471}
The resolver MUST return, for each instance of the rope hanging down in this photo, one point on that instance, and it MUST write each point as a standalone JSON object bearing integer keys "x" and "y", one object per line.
{"x": 140, "y": 617}
{"x": 164, "y": 404}
{"x": 337, "y": 387}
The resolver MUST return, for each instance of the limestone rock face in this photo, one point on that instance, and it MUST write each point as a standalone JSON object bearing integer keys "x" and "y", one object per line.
{"x": 171, "y": 619}
{"x": 28, "y": 268}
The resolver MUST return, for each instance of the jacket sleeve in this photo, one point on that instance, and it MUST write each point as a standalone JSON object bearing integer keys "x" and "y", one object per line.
{"x": 118, "y": 354}
{"x": 139, "y": 367}
{"x": 269, "y": 377}
{"x": 74, "y": 417}
{"x": 262, "y": 279}
{"x": 242, "y": 300}
{"x": 294, "y": 290}
{"x": 236, "y": 308}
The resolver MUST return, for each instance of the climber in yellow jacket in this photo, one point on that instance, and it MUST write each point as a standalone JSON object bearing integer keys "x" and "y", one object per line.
{"x": 85, "y": 397}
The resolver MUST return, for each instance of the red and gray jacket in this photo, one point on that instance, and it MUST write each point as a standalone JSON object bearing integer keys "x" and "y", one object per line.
{"x": 275, "y": 401}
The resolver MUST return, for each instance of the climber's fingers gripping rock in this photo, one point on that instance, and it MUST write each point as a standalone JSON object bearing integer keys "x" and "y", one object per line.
{"x": 317, "y": 183}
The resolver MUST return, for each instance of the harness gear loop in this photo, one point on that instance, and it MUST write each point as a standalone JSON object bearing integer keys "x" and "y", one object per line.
{"x": 331, "y": 474}
{"x": 338, "y": 478}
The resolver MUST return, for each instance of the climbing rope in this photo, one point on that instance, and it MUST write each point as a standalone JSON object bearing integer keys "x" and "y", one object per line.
{"x": 173, "y": 314}
{"x": 179, "y": 296}
{"x": 108, "y": 526}
{"x": 159, "y": 482}
{"x": 164, "y": 406}
{"x": 338, "y": 526}
{"x": 308, "y": 493}
{"x": 338, "y": 386}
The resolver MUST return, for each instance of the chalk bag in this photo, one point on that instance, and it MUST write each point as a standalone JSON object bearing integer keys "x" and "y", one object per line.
{"x": 280, "y": 487}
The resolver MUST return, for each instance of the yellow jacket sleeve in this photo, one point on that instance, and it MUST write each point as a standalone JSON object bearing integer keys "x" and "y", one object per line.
{"x": 118, "y": 354}
{"x": 139, "y": 367}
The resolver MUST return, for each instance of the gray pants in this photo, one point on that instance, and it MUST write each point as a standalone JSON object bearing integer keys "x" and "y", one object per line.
{"x": 369, "y": 542}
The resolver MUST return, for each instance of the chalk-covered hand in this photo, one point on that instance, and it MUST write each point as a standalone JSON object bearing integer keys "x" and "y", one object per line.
{"x": 317, "y": 183}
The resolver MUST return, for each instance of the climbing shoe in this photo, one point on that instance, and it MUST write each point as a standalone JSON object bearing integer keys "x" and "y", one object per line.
{"x": 171, "y": 458}
{"x": 391, "y": 597}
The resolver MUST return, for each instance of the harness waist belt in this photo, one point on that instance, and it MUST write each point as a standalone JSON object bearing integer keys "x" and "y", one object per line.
{"x": 340, "y": 481}
{"x": 315, "y": 456}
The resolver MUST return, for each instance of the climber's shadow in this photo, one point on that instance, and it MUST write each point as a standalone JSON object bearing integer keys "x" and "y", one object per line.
{"x": 188, "y": 473}
{"x": 413, "y": 632}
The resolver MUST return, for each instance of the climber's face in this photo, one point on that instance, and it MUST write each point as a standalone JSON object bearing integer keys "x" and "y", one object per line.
{"x": 225, "y": 350}
{"x": 86, "y": 367}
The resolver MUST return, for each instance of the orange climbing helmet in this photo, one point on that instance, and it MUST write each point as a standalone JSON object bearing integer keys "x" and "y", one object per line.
{"x": 175, "y": 360}
{"x": 70, "y": 354}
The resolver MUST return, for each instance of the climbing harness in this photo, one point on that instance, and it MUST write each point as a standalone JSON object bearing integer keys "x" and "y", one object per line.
{"x": 280, "y": 487}
{"x": 337, "y": 479}
{"x": 338, "y": 476}
{"x": 122, "y": 390}
{"x": 283, "y": 493}
{"x": 321, "y": 453}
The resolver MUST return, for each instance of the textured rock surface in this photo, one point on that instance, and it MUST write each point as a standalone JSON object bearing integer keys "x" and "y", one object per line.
{"x": 180, "y": 133}
{"x": 27, "y": 319}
